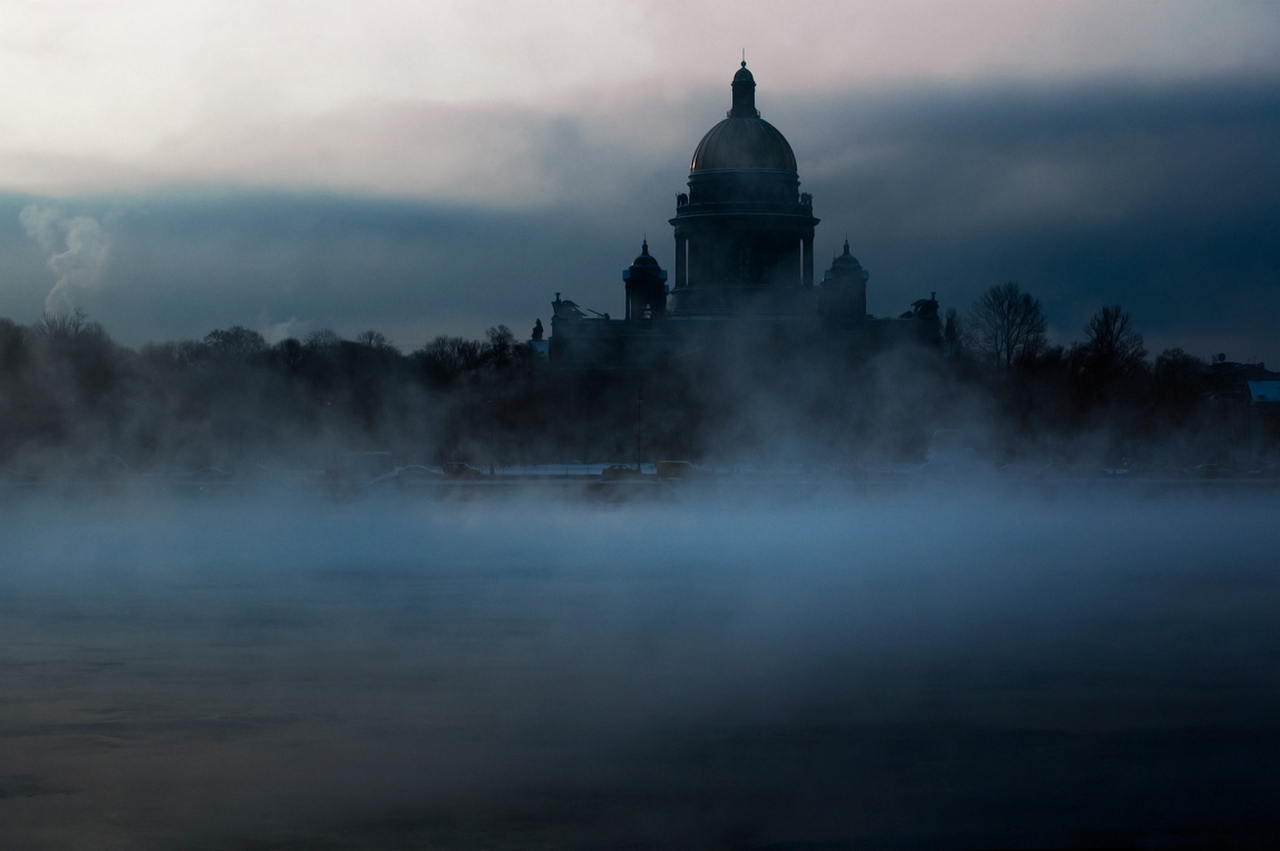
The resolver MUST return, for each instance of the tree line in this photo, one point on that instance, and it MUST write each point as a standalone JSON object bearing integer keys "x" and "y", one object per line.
{"x": 72, "y": 401}
{"x": 1104, "y": 384}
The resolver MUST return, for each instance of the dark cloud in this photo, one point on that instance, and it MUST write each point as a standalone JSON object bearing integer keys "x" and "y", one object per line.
{"x": 1162, "y": 197}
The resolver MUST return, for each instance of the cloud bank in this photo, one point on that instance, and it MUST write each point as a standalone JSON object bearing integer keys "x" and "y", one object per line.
{"x": 1158, "y": 197}
{"x": 133, "y": 94}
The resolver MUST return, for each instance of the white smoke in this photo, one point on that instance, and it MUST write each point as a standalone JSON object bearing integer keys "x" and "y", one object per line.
{"x": 274, "y": 332}
{"x": 78, "y": 248}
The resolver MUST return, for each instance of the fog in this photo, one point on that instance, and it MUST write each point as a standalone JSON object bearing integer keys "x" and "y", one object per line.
{"x": 1042, "y": 665}
{"x": 265, "y": 274}
{"x": 1157, "y": 195}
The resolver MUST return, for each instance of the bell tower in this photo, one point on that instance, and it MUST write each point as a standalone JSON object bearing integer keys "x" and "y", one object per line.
{"x": 843, "y": 295}
{"x": 646, "y": 287}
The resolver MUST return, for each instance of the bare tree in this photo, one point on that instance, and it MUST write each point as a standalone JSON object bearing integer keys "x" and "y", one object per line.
{"x": 445, "y": 358}
{"x": 1178, "y": 380}
{"x": 374, "y": 340}
{"x": 235, "y": 342}
{"x": 324, "y": 338}
{"x": 953, "y": 333}
{"x": 1114, "y": 349}
{"x": 1007, "y": 324}
{"x": 500, "y": 347}
{"x": 58, "y": 327}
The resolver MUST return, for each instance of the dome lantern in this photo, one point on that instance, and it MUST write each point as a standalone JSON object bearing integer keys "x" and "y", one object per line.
{"x": 744, "y": 94}
{"x": 646, "y": 284}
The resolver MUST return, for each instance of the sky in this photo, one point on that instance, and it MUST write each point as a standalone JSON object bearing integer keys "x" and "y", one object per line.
{"x": 439, "y": 167}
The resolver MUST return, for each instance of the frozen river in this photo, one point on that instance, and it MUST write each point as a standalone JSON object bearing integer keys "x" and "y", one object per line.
{"x": 887, "y": 671}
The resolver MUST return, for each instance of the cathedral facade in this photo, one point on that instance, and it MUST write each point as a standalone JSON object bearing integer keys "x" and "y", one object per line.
{"x": 744, "y": 265}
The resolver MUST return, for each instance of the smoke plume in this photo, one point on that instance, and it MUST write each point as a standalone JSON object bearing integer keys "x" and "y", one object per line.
{"x": 78, "y": 249}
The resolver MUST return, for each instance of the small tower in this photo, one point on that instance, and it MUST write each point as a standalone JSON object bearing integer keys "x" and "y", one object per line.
{"x": 646, "y": 287}
{"x": 844, "y": 289}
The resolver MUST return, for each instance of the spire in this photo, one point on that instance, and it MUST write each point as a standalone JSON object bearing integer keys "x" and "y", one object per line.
{"x": 744, "y": 93}
{"x": 846, "y": 259}
{"x": 644, "y": 258}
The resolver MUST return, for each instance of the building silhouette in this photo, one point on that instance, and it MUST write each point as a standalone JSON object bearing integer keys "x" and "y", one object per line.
{"x": 744, "y": 267}
{"x": 744, "y": 232}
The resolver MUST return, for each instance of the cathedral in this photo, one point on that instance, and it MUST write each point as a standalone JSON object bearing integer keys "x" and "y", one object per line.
{"x": 744, "y": 266}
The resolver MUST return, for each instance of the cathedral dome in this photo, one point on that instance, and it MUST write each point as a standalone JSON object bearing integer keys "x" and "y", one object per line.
{"x": 744, "y": 139}
{"x": 743, "y": 143}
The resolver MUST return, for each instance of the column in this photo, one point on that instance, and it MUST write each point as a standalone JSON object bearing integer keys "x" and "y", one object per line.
{"x": 806, "y": 250}
{"x": 681, "y": 270}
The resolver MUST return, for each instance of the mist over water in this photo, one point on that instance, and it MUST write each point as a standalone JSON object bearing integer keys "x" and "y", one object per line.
{"x": 927, "y": 669}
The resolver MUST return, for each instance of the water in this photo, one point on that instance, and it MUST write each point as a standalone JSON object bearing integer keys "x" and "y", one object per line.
{"x": 910, "y": 670}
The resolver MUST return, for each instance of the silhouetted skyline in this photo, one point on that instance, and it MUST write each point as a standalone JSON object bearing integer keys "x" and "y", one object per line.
{"x": 1097, "y": 155}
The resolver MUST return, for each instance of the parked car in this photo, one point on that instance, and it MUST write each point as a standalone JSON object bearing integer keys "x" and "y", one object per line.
{"x": 614, "y": 472}
{"x": 679, "y": 470}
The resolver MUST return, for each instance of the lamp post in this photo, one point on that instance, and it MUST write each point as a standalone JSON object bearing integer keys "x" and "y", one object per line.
{"x": 639, "y": 426}
{"x": 493, "y": 448}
